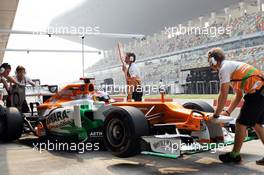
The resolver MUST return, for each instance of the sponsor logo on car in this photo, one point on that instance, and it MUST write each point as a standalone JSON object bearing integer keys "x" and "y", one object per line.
{"x": 59, "y": 118}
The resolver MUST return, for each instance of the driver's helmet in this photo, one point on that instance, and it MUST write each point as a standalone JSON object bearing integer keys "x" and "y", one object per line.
{"x": 101, "y": 96}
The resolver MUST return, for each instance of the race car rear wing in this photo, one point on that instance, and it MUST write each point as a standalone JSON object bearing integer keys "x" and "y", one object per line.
{"x": 87, "y": 80}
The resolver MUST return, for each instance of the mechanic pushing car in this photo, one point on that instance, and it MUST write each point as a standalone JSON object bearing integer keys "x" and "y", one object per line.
{"x": 244, "y": 79}
{"x": 5, "y": 70}
{"x": 133, "y": 80}
{"x": 23, "y": 80}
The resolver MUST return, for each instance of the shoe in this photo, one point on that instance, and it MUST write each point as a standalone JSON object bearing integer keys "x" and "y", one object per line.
{"x": 227, "y": 158}
{"x": 260, "y": 162}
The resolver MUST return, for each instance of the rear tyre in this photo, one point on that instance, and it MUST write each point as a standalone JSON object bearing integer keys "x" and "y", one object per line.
{"x": 215, "y": 130}
{"x": 199, "y": 105}
{"x": 11, "y": 124}
{"x": 123, "y": 129}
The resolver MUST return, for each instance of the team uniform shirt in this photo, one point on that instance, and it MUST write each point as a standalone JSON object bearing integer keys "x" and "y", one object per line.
{"x": 227, "y": 69}
{"x": 133, "y": 71}
{"x": 241, "y": 75}
{"x": 2, "y": 91}
{"x": 134, "y": 78}
{"x": 2, "y": 79}
{"x": 24, "y": 81}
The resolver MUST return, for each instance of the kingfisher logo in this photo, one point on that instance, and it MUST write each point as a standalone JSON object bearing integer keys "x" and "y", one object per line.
{"x": 58, "y": 118}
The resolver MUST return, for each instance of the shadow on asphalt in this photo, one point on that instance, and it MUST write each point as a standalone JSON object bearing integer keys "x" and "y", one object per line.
{"x": 200, "y": 163}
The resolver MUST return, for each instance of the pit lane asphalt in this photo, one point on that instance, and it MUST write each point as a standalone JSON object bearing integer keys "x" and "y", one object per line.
{"x": 20, "y": 158}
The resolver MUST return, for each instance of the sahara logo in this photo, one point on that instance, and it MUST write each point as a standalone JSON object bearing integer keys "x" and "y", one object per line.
{"x": 58, "y": 119}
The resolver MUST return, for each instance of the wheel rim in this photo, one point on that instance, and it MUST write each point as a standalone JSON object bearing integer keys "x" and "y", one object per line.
{"x": 116, "y": 132}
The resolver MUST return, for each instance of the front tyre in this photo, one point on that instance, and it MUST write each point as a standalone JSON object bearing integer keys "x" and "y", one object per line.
{"x": 123, "y": 129}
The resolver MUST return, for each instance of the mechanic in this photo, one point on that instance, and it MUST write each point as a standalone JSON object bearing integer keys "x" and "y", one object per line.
{"x": 21, "y": 77}
{"x": 244, "y": 79}
{"x": 23, "y": 81}
{"x": 5, "y": 70}
{"x": 161, "y": 87}
{"x": 134, "y": 89}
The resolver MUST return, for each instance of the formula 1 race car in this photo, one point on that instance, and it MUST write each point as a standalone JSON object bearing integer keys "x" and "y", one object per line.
{"x": 79, "y": 112}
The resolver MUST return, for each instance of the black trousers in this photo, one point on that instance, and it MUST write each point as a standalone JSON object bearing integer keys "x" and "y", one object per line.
{"x": 137, "y": 96}
{"x": 252, "y": 112}
{"x": 25, "y": 108}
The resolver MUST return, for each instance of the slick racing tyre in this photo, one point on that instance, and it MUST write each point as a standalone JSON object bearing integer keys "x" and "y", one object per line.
{"x": 123, "y": 128}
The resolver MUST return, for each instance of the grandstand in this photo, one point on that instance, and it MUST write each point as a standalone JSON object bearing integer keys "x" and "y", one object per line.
{"x": 173, "y": 57}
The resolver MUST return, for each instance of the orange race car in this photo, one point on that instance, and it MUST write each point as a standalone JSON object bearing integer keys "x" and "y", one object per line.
{"x": 125, "y": 128}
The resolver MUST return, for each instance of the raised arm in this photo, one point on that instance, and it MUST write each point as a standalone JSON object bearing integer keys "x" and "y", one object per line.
{"x": 121, "y": 55}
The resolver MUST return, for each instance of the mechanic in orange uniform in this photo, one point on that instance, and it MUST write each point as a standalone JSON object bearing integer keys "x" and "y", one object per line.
{"x": 244, "y": 79}
{"x": 134, "y": 90}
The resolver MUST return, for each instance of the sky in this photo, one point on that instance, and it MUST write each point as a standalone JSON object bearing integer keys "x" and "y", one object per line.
{"x": 137, "y": 16}
{"x": 50, "y": 68}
